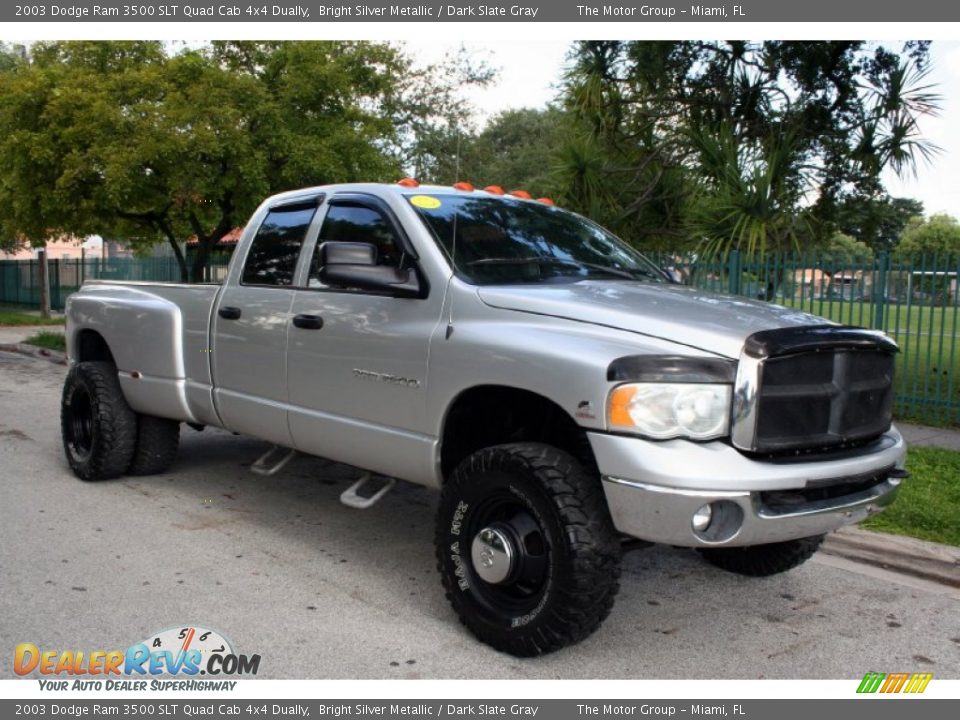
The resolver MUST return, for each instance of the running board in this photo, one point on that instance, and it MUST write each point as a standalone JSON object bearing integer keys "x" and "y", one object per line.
{"x": 273, "y": 460}
{"x": 352, "y": 498}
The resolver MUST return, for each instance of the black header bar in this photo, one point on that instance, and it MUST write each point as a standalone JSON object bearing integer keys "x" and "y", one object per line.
{"x": 579, "y": 11}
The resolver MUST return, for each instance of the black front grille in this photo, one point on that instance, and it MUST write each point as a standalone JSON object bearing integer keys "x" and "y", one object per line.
{"x": 823, "y": 399}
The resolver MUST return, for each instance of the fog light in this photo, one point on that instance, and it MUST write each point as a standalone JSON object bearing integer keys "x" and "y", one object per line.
{"x": 702, "y": 518}
{"x": 717, "y": 522}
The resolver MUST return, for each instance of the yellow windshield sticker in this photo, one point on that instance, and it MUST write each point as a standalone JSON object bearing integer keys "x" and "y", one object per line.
{"x": 425, "y": 201}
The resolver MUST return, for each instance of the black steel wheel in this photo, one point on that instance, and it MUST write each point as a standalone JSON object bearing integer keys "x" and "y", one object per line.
{"x": 526, "y": 548}
{"x": 98, "y": 427}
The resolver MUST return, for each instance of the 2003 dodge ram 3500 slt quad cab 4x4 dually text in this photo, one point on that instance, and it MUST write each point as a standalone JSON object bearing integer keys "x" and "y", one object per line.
{"x": 557, "y": 387}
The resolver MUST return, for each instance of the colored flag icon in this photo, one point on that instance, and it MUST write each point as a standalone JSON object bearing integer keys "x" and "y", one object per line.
{"x": 894, "y": 682}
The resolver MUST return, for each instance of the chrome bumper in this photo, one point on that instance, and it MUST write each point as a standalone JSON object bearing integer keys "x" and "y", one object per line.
{"x": 657, "y": 499}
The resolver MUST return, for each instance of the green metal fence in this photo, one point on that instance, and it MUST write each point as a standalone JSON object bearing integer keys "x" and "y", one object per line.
{"x": 20, "y": 279}
{"x": 914, "y": 300}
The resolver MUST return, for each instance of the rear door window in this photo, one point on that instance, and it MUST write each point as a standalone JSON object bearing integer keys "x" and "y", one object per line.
{"x": 272, "y": 258}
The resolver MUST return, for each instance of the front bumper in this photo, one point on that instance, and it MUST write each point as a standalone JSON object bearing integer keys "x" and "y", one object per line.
{"x": 654, "y": 488}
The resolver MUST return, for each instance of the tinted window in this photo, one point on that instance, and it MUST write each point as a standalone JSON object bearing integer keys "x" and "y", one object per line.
{"x": 354, "y": 223}
{"x": 505, "y": 240}
{"x": 272, "y": 258}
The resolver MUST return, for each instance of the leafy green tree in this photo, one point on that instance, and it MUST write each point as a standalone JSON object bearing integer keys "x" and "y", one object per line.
{"x": 127, "y": 140}
{"x": 10, "y": 56}
{"x": 879, "y": 220}
{"x": 842, "y": 251}
{"x": 515, "y": 149}
{"x": 741, "y": 145}
{"x": 432, "y": 116}
{"x": 937, "y": 235}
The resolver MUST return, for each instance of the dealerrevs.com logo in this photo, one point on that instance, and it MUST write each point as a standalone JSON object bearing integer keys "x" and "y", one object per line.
{"x": 186, "y": 652}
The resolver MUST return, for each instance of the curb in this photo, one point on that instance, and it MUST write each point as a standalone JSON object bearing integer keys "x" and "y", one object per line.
{"x": 927, "y": 560}
{"x": 54, "y": 356}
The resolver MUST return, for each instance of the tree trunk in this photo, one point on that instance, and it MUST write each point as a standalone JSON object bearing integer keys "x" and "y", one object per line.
{"x": 177, "y": 252}
{"x": 200, "y": 259}
{"x": 207, "y": 241}
{"x": 181, "y": 260}
{"x": 44, "y": 278}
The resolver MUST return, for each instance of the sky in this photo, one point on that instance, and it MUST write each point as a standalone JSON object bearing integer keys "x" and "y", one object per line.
{"x": 528, "y": 74}
{"x": 937, "y": 184}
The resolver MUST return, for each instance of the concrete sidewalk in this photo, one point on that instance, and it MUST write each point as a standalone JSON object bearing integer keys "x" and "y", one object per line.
{"x": 12, "y": 337}
{"x": 14, "y": 334}
{"x": 923, "y": 435}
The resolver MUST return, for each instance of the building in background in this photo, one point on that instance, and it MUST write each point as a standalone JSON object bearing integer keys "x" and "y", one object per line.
{"x": 64, "y": 248}
{"x": 92, "y": 247}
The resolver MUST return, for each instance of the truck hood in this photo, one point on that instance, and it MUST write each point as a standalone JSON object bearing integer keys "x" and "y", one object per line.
{"x": 688, "y": 316}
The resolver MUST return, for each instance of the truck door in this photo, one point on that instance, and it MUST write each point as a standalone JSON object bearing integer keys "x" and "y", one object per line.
{"x": 357, "y": 360}
{"x": 251, "y": 323}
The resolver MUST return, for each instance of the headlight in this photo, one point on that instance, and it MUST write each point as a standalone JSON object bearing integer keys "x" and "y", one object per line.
{"x": 668, "y": 410}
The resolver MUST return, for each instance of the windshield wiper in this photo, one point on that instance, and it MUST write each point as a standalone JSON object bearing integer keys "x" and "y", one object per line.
{"x": 517, "y": 261}
{"x": 547, "y": 260}
{"x": 620, "y": 272}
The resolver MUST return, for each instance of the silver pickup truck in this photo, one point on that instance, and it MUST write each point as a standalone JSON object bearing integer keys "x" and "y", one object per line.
{"x": 564, "y": 395}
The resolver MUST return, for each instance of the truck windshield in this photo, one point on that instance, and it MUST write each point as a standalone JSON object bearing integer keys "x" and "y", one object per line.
{"x": 502, "y": 241}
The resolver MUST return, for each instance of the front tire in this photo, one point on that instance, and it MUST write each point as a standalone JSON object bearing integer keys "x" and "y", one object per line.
{"x": 526, "y": 549}
{"x": 98, "y": 427}
{"x": 764, "y": 560}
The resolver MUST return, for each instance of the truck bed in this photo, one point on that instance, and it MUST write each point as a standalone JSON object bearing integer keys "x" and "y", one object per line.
{"x": 159, "y": 336}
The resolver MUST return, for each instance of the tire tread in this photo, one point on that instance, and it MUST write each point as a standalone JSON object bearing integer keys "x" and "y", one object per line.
{"x": 158, "y": 440}
{"x": 764, "y": 560}
{"x": 116, "y": 422}
{"x": 592, "y": 542}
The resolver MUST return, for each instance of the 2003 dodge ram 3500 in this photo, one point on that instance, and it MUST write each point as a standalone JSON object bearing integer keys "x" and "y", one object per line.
{"x": 562, "y": 393}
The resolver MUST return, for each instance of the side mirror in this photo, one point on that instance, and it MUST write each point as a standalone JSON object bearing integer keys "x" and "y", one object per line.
{"x": 354, "y": 265}
{"x": 347, "y": 253}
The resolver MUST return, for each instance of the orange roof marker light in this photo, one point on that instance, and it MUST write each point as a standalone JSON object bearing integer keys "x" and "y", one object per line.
{"x": 546, "y": 201}
{"x": 522, "y": 194}
{"x": 494, "y": 190}
{"x": 465, "y": 186}
{"x": 408, "y": 182}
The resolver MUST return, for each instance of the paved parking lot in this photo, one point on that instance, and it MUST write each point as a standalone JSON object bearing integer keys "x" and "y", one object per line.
{"x": 281, "y": 568}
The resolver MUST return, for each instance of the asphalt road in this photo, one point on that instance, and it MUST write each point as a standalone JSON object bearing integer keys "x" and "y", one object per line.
{"x": 282, "y": 569}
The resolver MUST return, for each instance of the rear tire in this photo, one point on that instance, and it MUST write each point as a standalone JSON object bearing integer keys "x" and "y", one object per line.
{"x": 157, "y": 442}
{"x": 99, "y": 429}
{"x": 558, "y": 578}
{"x": 764, "y": 560}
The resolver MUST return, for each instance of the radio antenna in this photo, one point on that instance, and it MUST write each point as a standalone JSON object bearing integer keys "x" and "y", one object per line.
{"x": 453, "y": 246}
{"x": 456, "y": 170}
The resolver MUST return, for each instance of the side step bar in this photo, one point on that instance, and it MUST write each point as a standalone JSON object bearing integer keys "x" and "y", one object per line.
{"x": 351, "y": 497}
{"x": 276, "y": 458}
{"x": 273, "y": 460}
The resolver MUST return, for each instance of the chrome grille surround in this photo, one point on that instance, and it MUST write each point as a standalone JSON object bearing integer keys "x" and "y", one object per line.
{"x": 830, "y": 407}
